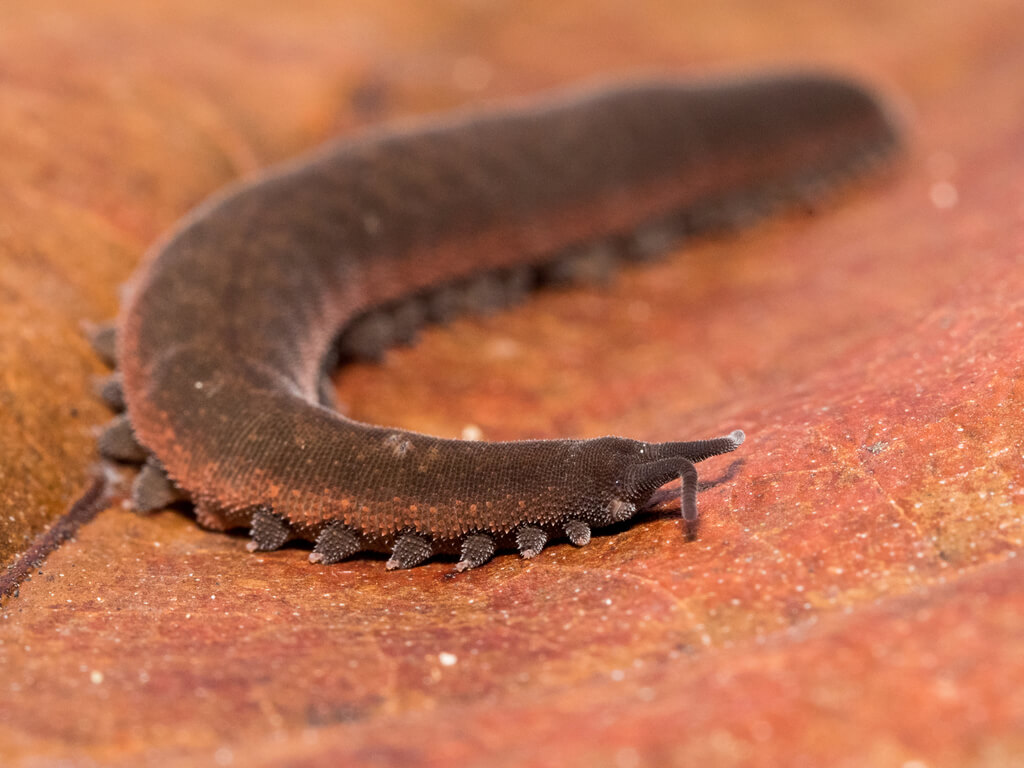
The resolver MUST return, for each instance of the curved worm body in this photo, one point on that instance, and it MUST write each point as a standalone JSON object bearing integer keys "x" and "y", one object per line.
{"x": 223, "y": 344}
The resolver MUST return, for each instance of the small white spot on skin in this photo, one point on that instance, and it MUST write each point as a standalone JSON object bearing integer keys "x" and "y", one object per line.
{"x": 472, "y": 432}
{"x": 398, "y": 443}
{"x": 447, "y": 659}
{"x": 198, "y": 385}
{"x": 96, "y": 677}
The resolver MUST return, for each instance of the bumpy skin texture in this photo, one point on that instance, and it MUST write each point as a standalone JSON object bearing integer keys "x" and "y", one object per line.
{"x": 224, "y": 340}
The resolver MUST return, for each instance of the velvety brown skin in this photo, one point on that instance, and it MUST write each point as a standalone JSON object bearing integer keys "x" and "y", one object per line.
{"x": 223, "y": 340}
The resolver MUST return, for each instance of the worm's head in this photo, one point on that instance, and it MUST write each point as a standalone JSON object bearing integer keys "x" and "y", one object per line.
{"x": 622, "y": 474}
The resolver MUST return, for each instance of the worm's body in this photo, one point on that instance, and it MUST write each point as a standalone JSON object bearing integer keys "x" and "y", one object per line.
{"x": 225, "y": 339}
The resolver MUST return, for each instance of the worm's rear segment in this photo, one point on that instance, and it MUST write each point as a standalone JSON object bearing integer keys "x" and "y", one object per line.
{"x": 234, "y": 322}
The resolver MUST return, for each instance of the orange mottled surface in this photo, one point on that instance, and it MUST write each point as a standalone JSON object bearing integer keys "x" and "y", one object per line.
{"x": 856, "y": 596}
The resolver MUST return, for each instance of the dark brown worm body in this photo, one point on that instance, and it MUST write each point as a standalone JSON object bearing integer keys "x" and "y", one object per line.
{"x": 225, "y": 339}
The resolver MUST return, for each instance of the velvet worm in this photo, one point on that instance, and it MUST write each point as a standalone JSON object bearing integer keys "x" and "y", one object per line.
{"x": 237, "y": 317}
